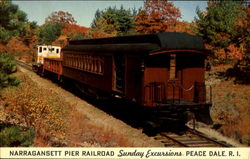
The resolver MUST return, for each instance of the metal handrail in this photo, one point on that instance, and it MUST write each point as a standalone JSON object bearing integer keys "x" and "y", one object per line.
{"x": 158, "y": 92}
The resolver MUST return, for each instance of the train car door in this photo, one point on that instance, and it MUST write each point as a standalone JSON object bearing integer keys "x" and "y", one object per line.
{"x": 118, "y": 73}
{"x": 190, "y": 67}
{"x": 156, "y": 75}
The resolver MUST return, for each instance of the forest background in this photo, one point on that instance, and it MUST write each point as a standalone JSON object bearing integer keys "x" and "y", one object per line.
{"x": 224, "y": 27}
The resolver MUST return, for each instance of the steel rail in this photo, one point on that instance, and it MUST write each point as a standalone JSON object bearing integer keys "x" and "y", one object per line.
{"x": 23, "y": 64}
{"x": 176, "y": 141}
{"x": 196, "y": 140}
{"x": 195, "y": 132}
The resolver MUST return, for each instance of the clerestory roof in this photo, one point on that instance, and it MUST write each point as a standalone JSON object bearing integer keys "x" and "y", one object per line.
{"x": 138, "y": 43}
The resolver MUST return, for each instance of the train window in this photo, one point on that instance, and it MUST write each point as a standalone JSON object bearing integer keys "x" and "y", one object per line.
{"x": 189, "y": 61}
{"x": 161, "y": 60}
{"x": 91, "y": 63}
{"x": 99, "y": 66}
{"x": 81, "y": 62}
{"x": 57, "y": 51}
{"x": 94, "y": 64}
{"x": 84, "y": 63}
{"x": 88, "y": 63}
{"x": 119, "y": 72}
{"x": 73, "y": 61}
{"x": 40, "y": 49}
{"x": 45, "y": 49}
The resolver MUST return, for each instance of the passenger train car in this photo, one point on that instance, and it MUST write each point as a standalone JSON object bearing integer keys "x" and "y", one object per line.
{"x": 163, "y": 73}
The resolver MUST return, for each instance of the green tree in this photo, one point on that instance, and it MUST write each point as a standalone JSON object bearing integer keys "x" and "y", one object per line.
{"x": 113, "y": 21}
{"x": 7, "y": 67}
{"x": 124, "y": 21}
{"x": 48, "y": 33}
{"x": 102, "y": 29}
{"x": 12, "y": 21}
{"x": 15, "y": 136}
{"x": 217, "y": 24}
{"x": 97, "y": 16}
{"x": 29, "y": 37}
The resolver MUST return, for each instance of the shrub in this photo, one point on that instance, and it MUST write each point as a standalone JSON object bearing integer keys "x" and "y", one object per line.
{"x": 36, "y": 107}
{"x": 7, "y": 67}
{"x": 15, "y": 136}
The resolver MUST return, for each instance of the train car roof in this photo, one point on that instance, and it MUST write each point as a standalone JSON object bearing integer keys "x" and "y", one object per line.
{"x": 139, "y": 43}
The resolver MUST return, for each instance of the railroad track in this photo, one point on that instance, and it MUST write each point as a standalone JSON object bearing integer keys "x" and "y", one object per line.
{"x": 25, "y": 65}
{"x": 191, "y": 138}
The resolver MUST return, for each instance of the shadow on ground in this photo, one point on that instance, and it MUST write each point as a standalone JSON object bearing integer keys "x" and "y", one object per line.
{"x": 129, "y": 112}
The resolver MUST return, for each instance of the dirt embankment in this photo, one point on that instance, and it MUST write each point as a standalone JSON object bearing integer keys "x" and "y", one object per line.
{"x": 86, "y": 125}
{"x": 231, "y": 104}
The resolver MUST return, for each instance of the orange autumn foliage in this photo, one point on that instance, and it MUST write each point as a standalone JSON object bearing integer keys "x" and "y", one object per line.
{"x": 157, "y": 16}
{"x": 71, "y": 30}
{"x": 243, "y": 28}
{"x": 223, "y": 36}
{"x": 15, "y": 45}
{"x": 220, "y": 54}
{"x": 2, "y": 48}
{"x": 235, "y": 52}
{"x": 62, "y": 41}
{"x": 101, "y": 34}
{"x": 231, "y": 52}
{"x": 182, "y": 26}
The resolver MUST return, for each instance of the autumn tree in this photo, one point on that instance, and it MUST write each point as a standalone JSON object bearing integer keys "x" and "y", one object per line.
{"x": 217, "y": 25}
{"x": 157, "y": 16}
{"x": 243, "y": 37}
{"x": 16, "y": 46}
{"x": 243, "y": 29}
{"x": 74, "y": 31}
{"x": 60, "y": 17}
{"x": 183, "y": 26}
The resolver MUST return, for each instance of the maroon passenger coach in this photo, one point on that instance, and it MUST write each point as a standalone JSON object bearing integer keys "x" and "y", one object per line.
{"x": 163, "y": 72}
